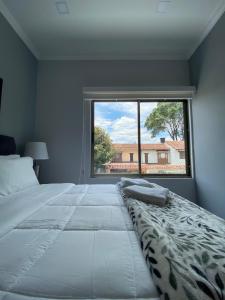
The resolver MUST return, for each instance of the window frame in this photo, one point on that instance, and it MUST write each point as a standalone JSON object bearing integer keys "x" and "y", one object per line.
{"x": 187, "y": 150}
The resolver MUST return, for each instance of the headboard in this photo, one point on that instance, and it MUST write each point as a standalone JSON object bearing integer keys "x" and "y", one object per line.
{"x": 7, "y": 145}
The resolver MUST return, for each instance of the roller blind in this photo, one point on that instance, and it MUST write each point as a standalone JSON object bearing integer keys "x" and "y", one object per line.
{"x": 143, "y": 93}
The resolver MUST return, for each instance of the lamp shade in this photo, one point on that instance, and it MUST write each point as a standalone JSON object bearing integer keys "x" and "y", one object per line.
{"x": 36, "y": 150}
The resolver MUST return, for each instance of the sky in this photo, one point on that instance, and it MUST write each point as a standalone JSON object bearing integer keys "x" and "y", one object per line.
{"x": 119, "y": 119}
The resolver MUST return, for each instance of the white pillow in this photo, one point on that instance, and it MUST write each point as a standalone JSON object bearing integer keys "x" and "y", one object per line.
{"x": 9, "y": 156}
{"x": 16, "y": 175}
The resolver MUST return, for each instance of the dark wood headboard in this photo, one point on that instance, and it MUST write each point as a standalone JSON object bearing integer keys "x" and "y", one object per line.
{"x": 7, "y": 145}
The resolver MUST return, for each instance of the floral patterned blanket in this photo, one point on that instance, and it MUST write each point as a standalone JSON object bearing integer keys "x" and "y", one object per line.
{"x": 184, "y": 247}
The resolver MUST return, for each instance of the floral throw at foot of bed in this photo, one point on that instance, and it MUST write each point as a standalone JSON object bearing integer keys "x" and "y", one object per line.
{"x": 184, "y": 247}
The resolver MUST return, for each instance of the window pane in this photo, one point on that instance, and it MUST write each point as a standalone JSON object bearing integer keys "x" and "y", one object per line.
{"x": 162, "y": 138}
{"x": 115, "y": 138}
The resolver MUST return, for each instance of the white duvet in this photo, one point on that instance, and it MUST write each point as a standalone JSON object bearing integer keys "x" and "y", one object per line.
{"x": 61, "y": 241}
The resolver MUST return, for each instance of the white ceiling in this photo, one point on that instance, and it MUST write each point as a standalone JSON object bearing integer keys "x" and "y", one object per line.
{"x": 112, "y": 29}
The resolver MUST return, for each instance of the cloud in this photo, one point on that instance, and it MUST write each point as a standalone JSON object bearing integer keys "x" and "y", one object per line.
{"x": 130, "y": 108}
{"x": 146, "y": 137}
{"x": 103, "y": 123}
{"x": 146, "y": 109}
{"x": 123, "y": 129}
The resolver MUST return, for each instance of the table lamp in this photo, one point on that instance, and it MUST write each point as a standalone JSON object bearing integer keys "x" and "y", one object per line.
{"x": 38, "y": 151}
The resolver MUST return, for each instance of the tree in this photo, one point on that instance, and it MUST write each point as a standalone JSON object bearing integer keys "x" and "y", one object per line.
{"x": 103, "y": 149}
{"x": 167, "y": 117}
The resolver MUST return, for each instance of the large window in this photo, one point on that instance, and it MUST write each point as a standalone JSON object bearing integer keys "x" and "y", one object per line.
{"x": 140, "y": 137}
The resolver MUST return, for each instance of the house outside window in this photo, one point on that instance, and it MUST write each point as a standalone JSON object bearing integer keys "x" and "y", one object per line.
{"x": 137, "y": 137}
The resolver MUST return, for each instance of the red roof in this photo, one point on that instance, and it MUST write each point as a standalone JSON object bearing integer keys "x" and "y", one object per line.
{"x": 178, "y": 145}
{"x": 157, "y": 147}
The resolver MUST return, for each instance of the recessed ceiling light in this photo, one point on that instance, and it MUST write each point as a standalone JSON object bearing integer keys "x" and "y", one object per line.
{"x": 163, "y": 6}
{"x": 62, "y": 7}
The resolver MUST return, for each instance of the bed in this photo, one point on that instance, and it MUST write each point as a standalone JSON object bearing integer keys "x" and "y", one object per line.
{"x": 67, "y": 241}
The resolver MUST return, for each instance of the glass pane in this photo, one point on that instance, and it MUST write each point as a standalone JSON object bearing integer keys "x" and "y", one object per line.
{"x": 162, "y": 138}
{"x": 115, "y": 138}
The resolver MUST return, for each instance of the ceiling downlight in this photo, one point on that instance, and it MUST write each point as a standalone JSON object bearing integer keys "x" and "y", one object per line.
{"x": 163, "y": 6}
{"x": 62, "y": 7}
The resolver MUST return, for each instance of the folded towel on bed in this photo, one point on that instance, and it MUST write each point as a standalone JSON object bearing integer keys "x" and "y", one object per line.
{"x": 125, "y": 181}
{"x": 157, "y": 196}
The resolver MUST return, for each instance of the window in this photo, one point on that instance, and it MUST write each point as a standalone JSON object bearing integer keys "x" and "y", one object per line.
{"x": 140, "y": 137}
{"x": 163, "y": 158}
{"x": 131, "y": 157}
{"x": 146, "y": 158}
{"x": 117, "y": 157}
{"x": 182, "y": 154}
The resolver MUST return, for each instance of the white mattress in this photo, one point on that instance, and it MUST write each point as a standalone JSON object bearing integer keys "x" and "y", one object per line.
{"x": 64, "y": 241}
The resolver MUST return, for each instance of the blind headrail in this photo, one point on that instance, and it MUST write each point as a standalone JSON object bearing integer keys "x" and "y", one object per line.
{"x": 184, "y": 92}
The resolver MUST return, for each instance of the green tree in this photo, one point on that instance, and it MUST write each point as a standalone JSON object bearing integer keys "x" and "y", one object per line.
{"x": 103, "y": 149}
{"x": 167, "y": 117}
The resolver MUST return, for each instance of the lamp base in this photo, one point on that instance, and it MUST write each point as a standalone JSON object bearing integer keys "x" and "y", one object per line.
{"x": 36, "y": 170}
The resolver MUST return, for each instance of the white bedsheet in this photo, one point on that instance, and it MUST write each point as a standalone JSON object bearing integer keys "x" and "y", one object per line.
{"x": 16, "y": 207}
{"x": 64, "y": 241}
{"x": 100, "y": 218}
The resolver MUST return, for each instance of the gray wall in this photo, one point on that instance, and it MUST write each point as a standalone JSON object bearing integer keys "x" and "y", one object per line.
{"x": 208, "y": 74}
{"x": 59, "y": 114}
{"x": 18, "y": 68}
